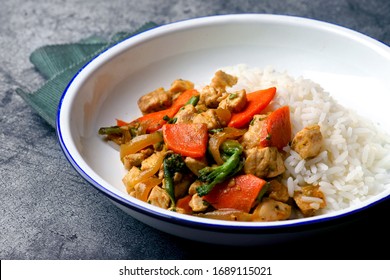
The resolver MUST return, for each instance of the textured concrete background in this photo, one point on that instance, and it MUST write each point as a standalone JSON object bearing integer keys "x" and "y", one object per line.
{"x": 47, "y": 211}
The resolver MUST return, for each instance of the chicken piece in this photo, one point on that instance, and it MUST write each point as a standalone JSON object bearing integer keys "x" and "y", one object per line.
{"x": 251, "y": 138}
{"x": 308, "y": 142}
{"x": 197, "y": 203}
{"x": 129, "y": 178}
{"x": 234, "y": 102}
{"x": 159, "y": 197}
{"x": 182, "y": 184}
{"x": 194, "y": 186}
{"x": 214, "y": 118}
{"x": 156, "y": 100}
{"x": 221, "y": 80}
{"x": 278, "y": 191}
{"x": 180, "y": 86}
{"x": 195, "y": 164}
{"x": 271, "y": 210}
{"x": 264, "y": 162}
{"x": 201, "y": 107}
{"x": 133, "y": 160}
{"x": 309, "y": 200}
{"x": 186, "y": 114}
{"x": 136, "y": 159}
{"x": 178, "y": 210}
{"x": 210, "y": 97}
{"x": 150, "y": 161}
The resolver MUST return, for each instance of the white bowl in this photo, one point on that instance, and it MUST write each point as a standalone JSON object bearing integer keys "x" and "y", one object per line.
{"x": 341, "y": 60}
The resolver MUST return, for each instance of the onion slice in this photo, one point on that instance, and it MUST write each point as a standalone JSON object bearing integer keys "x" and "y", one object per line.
{"x": 218, "y": 138}
{"x": 140, "y": 142}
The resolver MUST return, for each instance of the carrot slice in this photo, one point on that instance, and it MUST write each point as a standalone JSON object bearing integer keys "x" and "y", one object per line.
{"x": 276, "y": 131}
{"x": 256, "y": 102}
{"x": 240, "y": 193}
{"x": 187, "y": 139}
{"x": 182, "y": 99}
{"x": 154, "y": 121}
{"x": 183, "y": 203}
{"x": 120, "y": 122}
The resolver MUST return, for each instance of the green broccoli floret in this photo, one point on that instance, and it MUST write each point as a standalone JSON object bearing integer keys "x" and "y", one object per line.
{"x": 231, "y": 153}
{"x": 172, "y": 163}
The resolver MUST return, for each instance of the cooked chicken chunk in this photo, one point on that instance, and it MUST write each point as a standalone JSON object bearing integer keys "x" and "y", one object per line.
{"x": 186, "y": 114}
{"x": 136, "y": 159}
{"x": 155, "y": 101}
{"x": 251, "y": 138}
{"x": 195, "y": 164}
{"x": 210, "y": 97}
{"x": 264, "y": 162}
{"x": 309, "y": 200}
{"x": 278, "y": 191}
{"x": 194, "y": 186}
{"x": 197, "y": 203}
{"x": 221, "y": 80}
{"x": 181, "y": 183}
{"x": 159, "y": 197}
{"x": 178, "y": 210}
{"x": 150, "y": 161}
{"x": 201, "y": 107}
{"x": 307, "y": 142}
{"x": 271, "y": 210}
{"x": 133, "y": 160}
{"x": 234, "y": 102}
{"x": 129, "y": 177}
{"x": 181, "y": 85}
{"x": 211, "y": 118}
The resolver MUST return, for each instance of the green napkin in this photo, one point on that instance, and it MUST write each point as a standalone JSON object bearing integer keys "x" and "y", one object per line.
{"x": 60, "y": 63}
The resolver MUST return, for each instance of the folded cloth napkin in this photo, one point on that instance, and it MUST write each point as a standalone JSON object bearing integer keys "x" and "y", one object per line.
{"x": 60, "y": 63}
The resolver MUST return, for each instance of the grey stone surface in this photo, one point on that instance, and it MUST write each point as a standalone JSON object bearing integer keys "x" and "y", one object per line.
{"x": 47, "y": 211}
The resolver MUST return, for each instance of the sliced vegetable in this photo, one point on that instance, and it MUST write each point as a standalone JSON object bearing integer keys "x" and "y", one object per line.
{"x": 148, "y": 185}
{"x": 239, "y": 193}
{"x": 109, "y": 130}
{"x": 227, "y": 215}
{"x": 224, "y": 115}
{"x": 184, "y": 98}
{"x": 256, "y": 102}
{"x": 212, "y": 176}
{"x": 140, "y": 142}
{"x": 219, "y": 137}
{"x": 154, "y": 121}
{"x": 121, "y": 122}
{"x": 276, "y": 131}
{"x": 184, "y": 204}
{"x": 193, "y": 100}
{"x": 263, "y": 191}
{"x": 172, "y": 163}
{"x": 187, "y": 139}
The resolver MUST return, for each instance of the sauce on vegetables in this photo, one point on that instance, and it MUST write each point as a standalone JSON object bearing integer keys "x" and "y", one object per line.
{"x": 215, "y": 153}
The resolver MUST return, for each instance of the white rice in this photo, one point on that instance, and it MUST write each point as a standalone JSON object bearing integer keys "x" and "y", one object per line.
{"x": 355, "y": 159}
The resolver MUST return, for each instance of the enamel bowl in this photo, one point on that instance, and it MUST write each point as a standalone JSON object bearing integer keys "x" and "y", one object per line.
{"x": 109, "y": 86}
